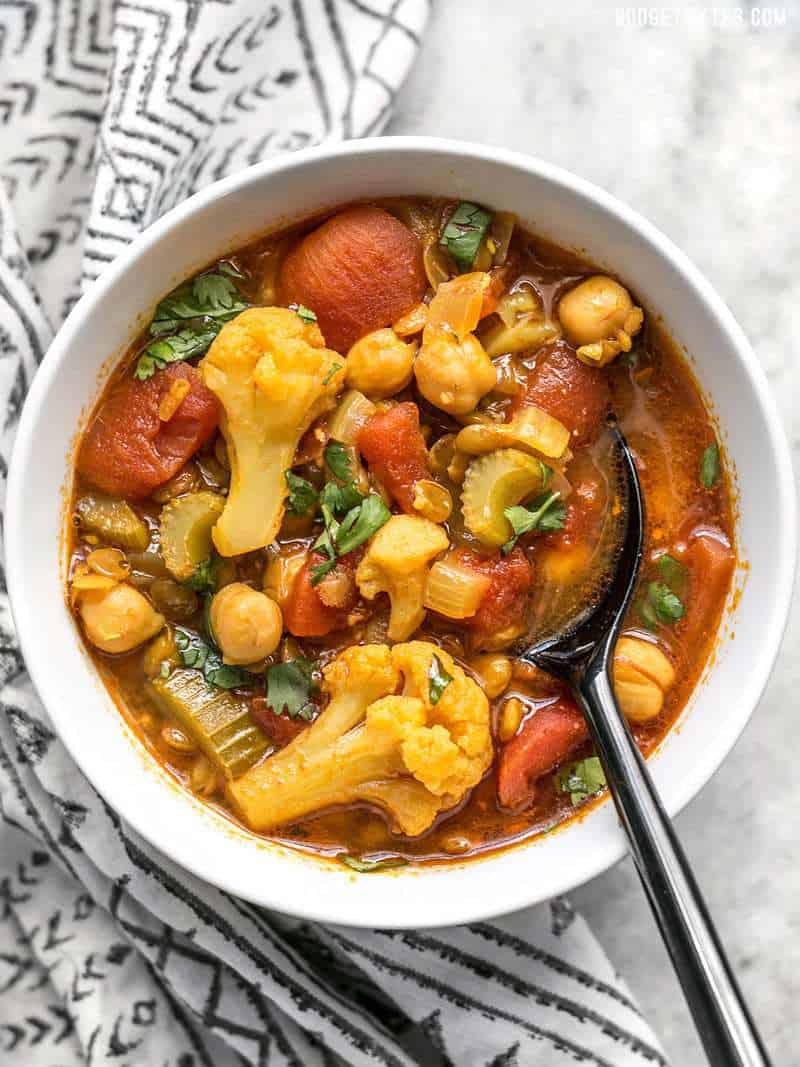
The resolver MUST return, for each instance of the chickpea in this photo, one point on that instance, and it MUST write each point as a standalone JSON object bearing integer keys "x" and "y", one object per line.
{"x": 494, "y": 673}
{"x": 247, "y": 624}
{"x": 599, "y": 316}
{"x": 510, "y": 718}
{"x": 380, "y": 364}
{"x": 454, "y": 376}
{"x": 118, "y": 619}
{"x": 432, "y": 501}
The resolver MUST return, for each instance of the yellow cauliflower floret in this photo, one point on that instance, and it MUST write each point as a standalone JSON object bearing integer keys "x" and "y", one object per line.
{"x": 397, "y": 562}
{"x": 462, "y": 709}
{"x": 409, "y": 754}
{"x": 273, "y": 376}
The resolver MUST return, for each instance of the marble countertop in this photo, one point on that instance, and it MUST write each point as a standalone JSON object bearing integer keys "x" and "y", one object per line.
{"x": 696, "y": 123}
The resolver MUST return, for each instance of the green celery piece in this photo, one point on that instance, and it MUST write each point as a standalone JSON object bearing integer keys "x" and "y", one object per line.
{"x": 214, "y": 718}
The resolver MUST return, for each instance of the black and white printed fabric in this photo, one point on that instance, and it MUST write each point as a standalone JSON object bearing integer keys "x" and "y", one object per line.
{"x": 110, "y": 113}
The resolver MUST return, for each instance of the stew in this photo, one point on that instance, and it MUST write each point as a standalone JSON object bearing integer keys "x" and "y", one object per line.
{"x": 343, "y": 475}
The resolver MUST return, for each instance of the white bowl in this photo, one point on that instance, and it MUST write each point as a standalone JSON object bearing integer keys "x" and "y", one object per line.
{"x": 552, "y": 203}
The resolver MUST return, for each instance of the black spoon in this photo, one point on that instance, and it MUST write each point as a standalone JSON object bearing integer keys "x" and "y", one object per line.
{"x": 581, "y": 656}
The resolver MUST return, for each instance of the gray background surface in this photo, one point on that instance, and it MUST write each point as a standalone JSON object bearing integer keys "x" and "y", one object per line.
{"x": 696, "y": 123}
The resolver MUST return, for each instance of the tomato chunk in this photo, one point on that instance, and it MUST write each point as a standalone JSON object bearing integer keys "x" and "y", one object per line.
{"x": 279, "y": 728}
{"x": 305, "y": 615}
{"x": 577, "y": 395}
{"x": 359, "y": 271}
{"x": 710, "y": 560}
{"x": 128, "y": 451}
{"x": 549, "y": 737}
{"x": 585, "y": 510}
{"x": 504, "y": 603}
{"x": 394, "y": 448}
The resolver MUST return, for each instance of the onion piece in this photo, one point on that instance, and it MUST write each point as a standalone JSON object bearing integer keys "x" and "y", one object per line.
{"x": 353, "y": 411}
{"x": 454, "y": 591}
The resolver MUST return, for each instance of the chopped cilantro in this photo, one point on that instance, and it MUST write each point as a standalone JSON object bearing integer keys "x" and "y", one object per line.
{"x": 306, "y": 314}
{"x": 546, "y": 514}
{"x": 197, "y": 653}
{"x": 581, "y": 780}
{"x": 438, "y": 680}
{"x": 193, "y": 314}
{"x": 303, "y": 496}
{"x": 334, "y": 367}
{"x": 204, "y": 578}
{"x": 365, "y": 865}
{"x": 464, "y": 232}
{"x": 339, "y": 538}
{"x": 667, "y": 605}
{"x": 290, "y": 686}
{"x": 339, "y": 461}
{"x": 672, "y": 571}
{"x": 371, "y": 514}
{"x": 710, "y": 466}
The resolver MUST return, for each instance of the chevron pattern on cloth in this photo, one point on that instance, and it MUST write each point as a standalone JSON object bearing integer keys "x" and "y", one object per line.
{"x": 111, "y": 113}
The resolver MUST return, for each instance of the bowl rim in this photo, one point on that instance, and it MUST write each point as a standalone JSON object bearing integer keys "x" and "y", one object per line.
{"x": 514, "y": 897}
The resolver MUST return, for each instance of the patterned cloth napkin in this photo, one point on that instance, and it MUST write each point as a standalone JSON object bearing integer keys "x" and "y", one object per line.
{"x": 111, "y": 113}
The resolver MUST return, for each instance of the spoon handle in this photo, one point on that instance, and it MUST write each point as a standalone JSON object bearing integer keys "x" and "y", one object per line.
{"x": 721, "y": 1016}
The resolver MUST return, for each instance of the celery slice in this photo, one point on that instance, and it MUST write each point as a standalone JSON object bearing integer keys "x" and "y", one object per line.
{"x": 218, "y": 721}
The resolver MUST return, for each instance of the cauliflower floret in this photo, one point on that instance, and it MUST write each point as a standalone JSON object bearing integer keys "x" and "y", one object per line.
{"x": 461, "y": 708}
{"x": 453, "y": 375}
{"x": 402, "y": 752}
{"x": 397, "y": 562}
{"x": 273, "y": 376}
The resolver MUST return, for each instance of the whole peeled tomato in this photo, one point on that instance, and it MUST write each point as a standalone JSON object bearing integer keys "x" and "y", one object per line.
{"x": 360, "y": 270}
{"x": 129, "y": 450}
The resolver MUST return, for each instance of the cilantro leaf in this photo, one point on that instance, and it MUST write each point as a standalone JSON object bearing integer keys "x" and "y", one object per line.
{"x": 672, "y": 571}
{"x": 290, "y": 686}
{"x": 204, "y": 578}
{"x": 320, "y": 570}
{"x": 208, "y": 296}
{"x": 667, "y": 605}
{"x": 464, "y": 232}
{"x": 339, "y": 499}
{"x": 193, "y": 314}
{"x": 303, "y": 496}
{"x": 187, "y": 344}
{"x": 197, "y": 653}
{"x": 339, "y": 462}
{"x": 371, "y": 515}
{"x": 334, "y": 367}
{"x": 546, "y": 514}
{"x": 710, "y": 466}
{"x": 214, "y": 293}
{"x": 438, "y": 680}
{"x": 581, "y": 780}
{"x": 365, "y": 865}
{"x": 306, "y": 314}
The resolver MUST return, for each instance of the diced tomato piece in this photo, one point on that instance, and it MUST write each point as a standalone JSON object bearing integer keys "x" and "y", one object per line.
{"x": 710, "y": 559}
{"x": 394, "y": 448}
{"x": 585, "y": 510}
{"x": 548, "y": 737}
{"x": 577, "y": 395}
{"x": 359, "y": 271}
{"x": 128, "y": 451}
{"x": 304, "y": 614}
{"x": 279, "y": 728}
{"x": 504, "y": 603}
